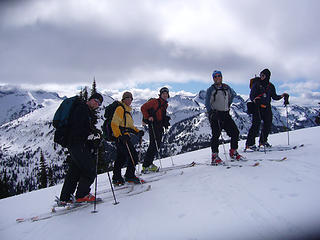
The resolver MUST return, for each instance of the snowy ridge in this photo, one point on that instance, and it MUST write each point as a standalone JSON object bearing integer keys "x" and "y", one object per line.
{"x": 275, "y": 200}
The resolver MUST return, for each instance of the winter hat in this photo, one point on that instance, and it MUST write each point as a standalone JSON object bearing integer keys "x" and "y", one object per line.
{"x": 127, "y": 95}
{"x": 215, "y": 72}
{"x": 164, "y": 89}
{"x": 97, "y": 96}
{"x": 267, "y": 73}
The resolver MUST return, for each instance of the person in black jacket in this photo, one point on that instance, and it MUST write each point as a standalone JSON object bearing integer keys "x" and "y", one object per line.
{"x": 261, "y": 93}
{"x": 81, "y": 146}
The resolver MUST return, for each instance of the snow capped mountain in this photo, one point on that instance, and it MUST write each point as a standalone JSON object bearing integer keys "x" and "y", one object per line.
{"x": 17, "y": 102}
{"x": 27, "y": 130}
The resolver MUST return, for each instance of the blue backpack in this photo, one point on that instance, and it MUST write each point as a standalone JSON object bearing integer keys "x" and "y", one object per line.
{"x": 61, "y": 119}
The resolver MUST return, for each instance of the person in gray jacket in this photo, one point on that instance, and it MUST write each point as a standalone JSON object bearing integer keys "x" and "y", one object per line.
{"x": 218, "y": 100}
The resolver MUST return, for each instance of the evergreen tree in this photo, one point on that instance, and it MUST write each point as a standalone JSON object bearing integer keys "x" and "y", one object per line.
{"x": 50, "y": 177}
{"x": 81, "y": 93}
{"x": 94, "y": 87}
{"x": 85, "y": 94}
{"x": 4, "y": 185}
{"x": 43, "y": 180}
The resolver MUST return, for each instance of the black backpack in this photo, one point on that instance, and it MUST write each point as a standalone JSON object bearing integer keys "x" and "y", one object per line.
{"x": 61, "y": 119}
{"x": 108, "y": 114}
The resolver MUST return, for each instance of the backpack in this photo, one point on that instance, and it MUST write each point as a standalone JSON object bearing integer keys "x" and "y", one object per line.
{"x": 151, "y": 111}
{"x": 61, "y": 119}
{"x": 253, "y": 81}
{"x": 108, "y": 114}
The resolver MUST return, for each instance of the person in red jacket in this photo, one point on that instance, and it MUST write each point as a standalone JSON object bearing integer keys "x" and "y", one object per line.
{"x": 154, "y": 114}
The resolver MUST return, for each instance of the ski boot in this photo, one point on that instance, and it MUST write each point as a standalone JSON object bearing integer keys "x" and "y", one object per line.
{"x": 216, "y": 160}
{"x": 251, "y": 148}
{"x": 87, "y": 199}
{"x": 134, "y": 180}
{"x": 118, "y": 181}
{"x": 265, "y": 144}
{"x": 151, "y": 168}
{"x": 233, "y": 153}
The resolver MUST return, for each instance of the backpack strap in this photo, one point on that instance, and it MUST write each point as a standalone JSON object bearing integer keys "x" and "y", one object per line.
{"x": 219, "y": 89}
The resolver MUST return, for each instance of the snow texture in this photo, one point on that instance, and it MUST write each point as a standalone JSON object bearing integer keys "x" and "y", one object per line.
{"x": 275, "y": 200}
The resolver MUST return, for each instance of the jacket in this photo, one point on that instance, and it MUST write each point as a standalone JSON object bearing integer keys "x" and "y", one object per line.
{"x": 121, "y": 125}
{"x": 219, "y": 98}
{"x": 266, "y": 91}
{"x": 151, "y": 109}
{"x": 80, "y": 123}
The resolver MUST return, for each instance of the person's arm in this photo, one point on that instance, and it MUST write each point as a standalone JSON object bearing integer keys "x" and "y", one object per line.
{"x": 208, "y": 96}
{"x": 116, "y": 121}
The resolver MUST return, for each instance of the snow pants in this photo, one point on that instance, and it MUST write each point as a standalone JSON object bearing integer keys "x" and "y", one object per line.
{"x": 155, "y": 134}
{"x": 264, "y": 114}
{"x": 123, "y": 157}
{"x": 81, "y": 172}
{"x": 220, "y": 120}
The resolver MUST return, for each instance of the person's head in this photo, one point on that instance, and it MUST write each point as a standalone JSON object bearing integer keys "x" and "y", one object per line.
{"x": 217, "y": 77}
{"x": 127, "y": 98}
{"x": 265, "y": 74}
{"x": 164, "y": 93}
{"x": 95, "y": 101}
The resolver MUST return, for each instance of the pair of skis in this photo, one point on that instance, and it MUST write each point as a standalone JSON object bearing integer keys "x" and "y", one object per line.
{"x": 123, "y": 191}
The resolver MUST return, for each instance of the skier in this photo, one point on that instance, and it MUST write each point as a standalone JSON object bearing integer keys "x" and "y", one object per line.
{"x": 81, "y": 146}
{"x": 122, "y": 125}
{"x": 261, "y": 93}
{"x": 218, "y": 100}
{"x": 154, "y": 114}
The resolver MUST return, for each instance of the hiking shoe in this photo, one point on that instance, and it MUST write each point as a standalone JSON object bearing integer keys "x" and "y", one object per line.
{"x": 251, "y": 148}
{"x": 134, "y": 180}
{"x": 265, "y": 144}
{"x": 216, "y": 160}
{"x": 118, "y": 181}
{"x": 233, "y": 153}
{"x": 88, "y": 198}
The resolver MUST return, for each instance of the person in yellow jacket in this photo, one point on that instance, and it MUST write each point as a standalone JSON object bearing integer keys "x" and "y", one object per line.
{"x": 122, "y": 126}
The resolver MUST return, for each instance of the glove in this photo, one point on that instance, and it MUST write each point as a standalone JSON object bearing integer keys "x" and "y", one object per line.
{"x": 124, "y": 138}
{"x": 140, "y": 134}
{"x": 257, "y": 100}
{"x": 286, "y": 99}
{"x": 93, "y": 137}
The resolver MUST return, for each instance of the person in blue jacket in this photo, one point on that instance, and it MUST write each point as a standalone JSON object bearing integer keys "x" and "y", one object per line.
{"x": 261, "y": 93}
{"x": 218, "y": 100}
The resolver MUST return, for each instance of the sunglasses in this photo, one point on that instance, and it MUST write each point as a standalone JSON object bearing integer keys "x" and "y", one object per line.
{"x": 97, "y": 101}
{"x": 216, "y": 76}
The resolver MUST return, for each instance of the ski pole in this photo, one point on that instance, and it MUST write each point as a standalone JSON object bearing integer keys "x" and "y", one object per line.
{"x": 130, "y": 154}
{"x": 286, "y": 102}
{"x": 155, "y": 139}
{"x": 140, "y": 153}
{"x": 261, "y": 134}
{"x": 170, "y": 153}
{"x": 96, "y": 184}
{"x": 224, "y": 148}
{"x": 114, "y": 196}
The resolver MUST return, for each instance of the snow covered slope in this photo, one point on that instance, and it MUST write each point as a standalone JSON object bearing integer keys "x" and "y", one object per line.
{"x": 275, "y": 200}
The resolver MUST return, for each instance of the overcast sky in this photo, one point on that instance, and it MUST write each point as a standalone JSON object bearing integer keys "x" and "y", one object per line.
{"x": 128, "y": 44}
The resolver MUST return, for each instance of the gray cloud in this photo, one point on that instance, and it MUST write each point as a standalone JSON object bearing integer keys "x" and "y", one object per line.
{"x": 123, "y": 44}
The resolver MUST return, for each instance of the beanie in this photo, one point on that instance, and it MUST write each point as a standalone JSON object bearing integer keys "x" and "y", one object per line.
{"x": 127, "y": 95}
{"x": 164, "y": 89}
{"x": 267, "y": 73}
{"x": 96, "y": 96}
{"x": 215, "y": 72}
